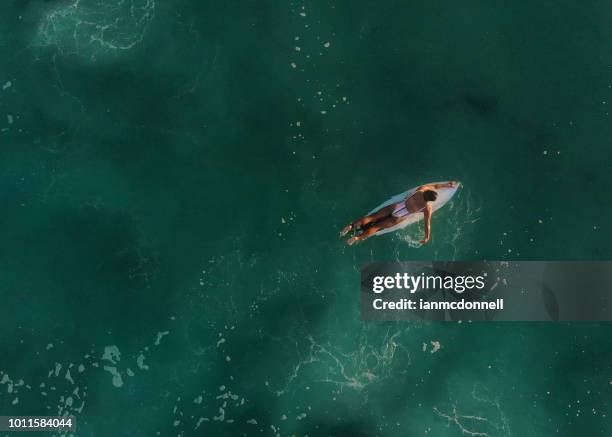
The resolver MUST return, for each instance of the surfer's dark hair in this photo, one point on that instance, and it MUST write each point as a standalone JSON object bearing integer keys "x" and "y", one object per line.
{"x": 430, "y": 195}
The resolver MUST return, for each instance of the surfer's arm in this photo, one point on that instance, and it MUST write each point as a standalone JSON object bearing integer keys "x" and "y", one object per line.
{"x": 437, "y": 186}
{"x": 427, "y": 216}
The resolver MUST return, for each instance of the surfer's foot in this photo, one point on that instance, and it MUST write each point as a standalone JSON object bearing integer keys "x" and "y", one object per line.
{"x": 352, "y": 241}
{"x": 346, "y": 230}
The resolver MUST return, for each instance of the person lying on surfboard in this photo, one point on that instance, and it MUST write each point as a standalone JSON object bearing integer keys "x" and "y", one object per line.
{"x": 418, "y": 202}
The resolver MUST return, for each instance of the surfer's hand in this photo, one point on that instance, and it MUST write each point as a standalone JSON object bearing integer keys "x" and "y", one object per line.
{"x": 424, "y": 241}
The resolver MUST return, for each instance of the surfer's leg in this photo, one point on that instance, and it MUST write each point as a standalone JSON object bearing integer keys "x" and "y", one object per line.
{"x": 378, "y": 215}
{"x": 364, "y": 221}
{"x": 379, "y": 225}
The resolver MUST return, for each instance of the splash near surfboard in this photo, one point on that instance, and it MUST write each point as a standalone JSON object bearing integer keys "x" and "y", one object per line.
{"x": 403, "y": 210}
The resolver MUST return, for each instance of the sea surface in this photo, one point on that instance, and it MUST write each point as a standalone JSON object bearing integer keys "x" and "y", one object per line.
{"x": 174, "y": 174}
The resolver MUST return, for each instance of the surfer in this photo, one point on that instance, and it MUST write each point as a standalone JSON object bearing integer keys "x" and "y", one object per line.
{"x": 389, "y": 216}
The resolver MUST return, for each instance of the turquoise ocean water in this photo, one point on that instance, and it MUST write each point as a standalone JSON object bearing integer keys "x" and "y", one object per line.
{"x": 174, "y": 175}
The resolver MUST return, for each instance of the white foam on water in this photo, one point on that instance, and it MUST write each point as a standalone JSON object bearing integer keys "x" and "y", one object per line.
{"x": 117, "y": 379}
{"x": 112, "y": 354}
{"x": 160, "y": 335}
{"x": 92, "y": 28}
{"x": 140, "y": 361}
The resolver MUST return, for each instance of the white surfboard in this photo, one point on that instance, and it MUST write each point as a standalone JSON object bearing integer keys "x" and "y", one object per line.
{"x": 444, "y": 195}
